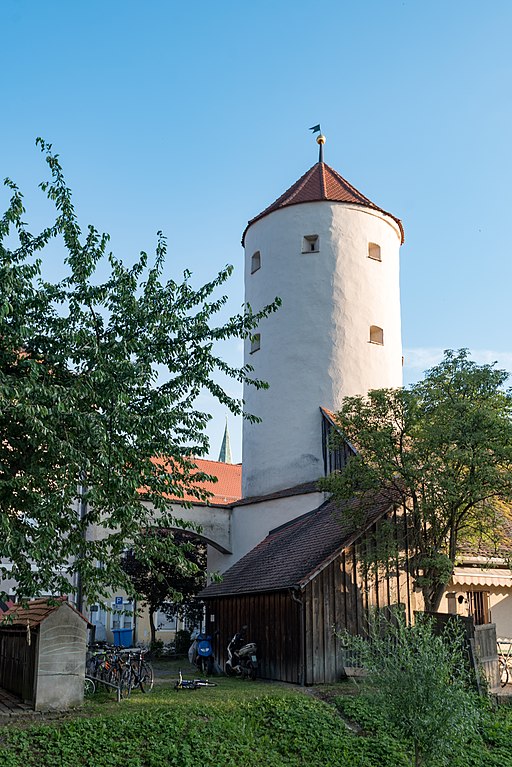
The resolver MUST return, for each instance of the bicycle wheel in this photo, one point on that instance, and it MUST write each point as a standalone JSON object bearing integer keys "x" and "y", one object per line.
{"x": 106, "y": 674}
{"x": 229, "y": 670}
{"x": 503, "y": 672}
{"x": 125, "y": 683}
{"x": 89, "y": 687}
{"x": 147, "y": 677}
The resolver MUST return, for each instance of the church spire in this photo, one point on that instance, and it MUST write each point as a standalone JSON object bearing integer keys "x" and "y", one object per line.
{"x": 225, "y": 448}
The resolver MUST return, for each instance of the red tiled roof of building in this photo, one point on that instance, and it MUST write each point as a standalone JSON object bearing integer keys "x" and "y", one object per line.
{"x": 321, "y": 183}
{"x": 226, "y": 491}
{"x": 228, "y": 488}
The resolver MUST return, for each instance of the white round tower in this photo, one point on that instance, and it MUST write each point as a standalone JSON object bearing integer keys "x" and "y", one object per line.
{"x": 332, "y": 256}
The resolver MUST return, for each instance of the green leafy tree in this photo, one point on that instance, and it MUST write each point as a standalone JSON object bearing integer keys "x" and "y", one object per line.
{"x": 98, "y": 378}
{"x": 443, "y": 447}
{"x": 420, "y": 682}
{"x": 170, "y": 587}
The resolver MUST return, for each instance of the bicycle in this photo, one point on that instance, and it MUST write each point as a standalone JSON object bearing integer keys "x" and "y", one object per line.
{"x": 118, "y": 668}
{"x": 504, "y": 660}
{"x": 192, "y": 684}
{"x": 140, "y": 671}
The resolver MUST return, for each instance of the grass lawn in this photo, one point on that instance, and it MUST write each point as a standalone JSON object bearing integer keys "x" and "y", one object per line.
{"x": 236, "y": 724}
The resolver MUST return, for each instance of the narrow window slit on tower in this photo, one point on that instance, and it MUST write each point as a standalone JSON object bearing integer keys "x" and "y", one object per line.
{"x": 374, "y": 251}
{"x": 376, "y": 335}
{"x": 255, "y": 262}
{"x": 310, "y": 243}
{"x": 255, "y": 342}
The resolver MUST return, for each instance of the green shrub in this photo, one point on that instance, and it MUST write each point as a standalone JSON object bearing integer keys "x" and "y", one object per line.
{"x": 182, "y": 642}
{"x": 421, "y": 686}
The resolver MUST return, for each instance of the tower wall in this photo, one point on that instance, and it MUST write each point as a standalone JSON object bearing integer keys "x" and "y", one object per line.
{"x": 316, "y": 349}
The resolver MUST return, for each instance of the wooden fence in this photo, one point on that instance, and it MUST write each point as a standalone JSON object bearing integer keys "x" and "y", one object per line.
{"x": 17, "y": 663}
{"x": 486, "y": 653}
{"x": 482, "y": 647}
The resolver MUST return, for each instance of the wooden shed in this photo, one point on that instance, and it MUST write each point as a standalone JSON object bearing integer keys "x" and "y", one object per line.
{"x": 300, "y": 588}
{"x": 42, "y": 653}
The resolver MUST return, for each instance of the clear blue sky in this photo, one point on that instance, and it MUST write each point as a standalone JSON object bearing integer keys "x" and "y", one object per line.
{"x": 191, "y": 118}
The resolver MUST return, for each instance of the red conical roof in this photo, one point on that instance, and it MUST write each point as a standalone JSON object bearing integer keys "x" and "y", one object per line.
{"x": 321, "y": 182}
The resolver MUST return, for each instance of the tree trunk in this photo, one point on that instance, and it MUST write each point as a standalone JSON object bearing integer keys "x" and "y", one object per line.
{"x": 152, "y": 626}
{"x": 432, "y": 596}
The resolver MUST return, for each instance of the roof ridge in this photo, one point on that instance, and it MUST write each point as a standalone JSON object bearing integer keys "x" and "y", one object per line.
{"x": 350, "y": 186}
{"x": 323, "y": 185}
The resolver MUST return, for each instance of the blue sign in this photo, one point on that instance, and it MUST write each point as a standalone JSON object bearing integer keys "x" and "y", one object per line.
{"x": 119, "y": 600}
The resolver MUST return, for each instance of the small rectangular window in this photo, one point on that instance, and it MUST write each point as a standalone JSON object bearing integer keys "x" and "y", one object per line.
{"x": 374, "y": 251}
{"x": 310, "y": 243}
{"x": 255, "y": 262}
{"x": 255, "y": 343}
{"x": 164, "y": 623}
{"x": 376, "y": 335}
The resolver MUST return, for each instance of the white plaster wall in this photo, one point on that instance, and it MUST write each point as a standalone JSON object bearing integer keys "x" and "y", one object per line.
{"x": 215, "y": 523}
{"x": 60, "y": 667}
{"x": 315, "y": 350}
{"x": 500, "y": 605}
{"x": 251, "y": 523}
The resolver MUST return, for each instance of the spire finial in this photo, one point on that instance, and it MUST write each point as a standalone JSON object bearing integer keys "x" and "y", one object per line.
{"x": 320, "y": 141}
{"x": 225, "y": 448}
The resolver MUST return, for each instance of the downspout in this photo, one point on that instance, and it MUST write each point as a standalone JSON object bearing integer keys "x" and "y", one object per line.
{"x": 302, "y": 631}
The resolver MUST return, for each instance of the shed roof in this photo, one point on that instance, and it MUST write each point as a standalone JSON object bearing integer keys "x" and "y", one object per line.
{"x": 36, "y": 611}
{"x": 293, "y": 553}
{"x": 321, "y": 183}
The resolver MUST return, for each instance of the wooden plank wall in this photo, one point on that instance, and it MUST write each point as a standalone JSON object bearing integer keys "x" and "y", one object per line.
{"x": 274, "y": 623}
{"x": 339, "y": 599}
{"x": 17, "y": 663}
{"x": 297, "y": 642}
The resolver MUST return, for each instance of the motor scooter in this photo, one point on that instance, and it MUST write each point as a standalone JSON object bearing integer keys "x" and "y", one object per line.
{"x": 204, "y": 658}
{"x": 242, "y": 659}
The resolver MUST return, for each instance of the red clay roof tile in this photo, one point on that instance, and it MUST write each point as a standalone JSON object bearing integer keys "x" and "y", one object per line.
{"x": 319, "y": 183}
{"x": 226, "y": 491}
{"x": 35, "y": 612}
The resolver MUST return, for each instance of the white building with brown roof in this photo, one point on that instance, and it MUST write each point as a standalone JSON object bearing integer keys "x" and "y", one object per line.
{"x": 332, "y": 256}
